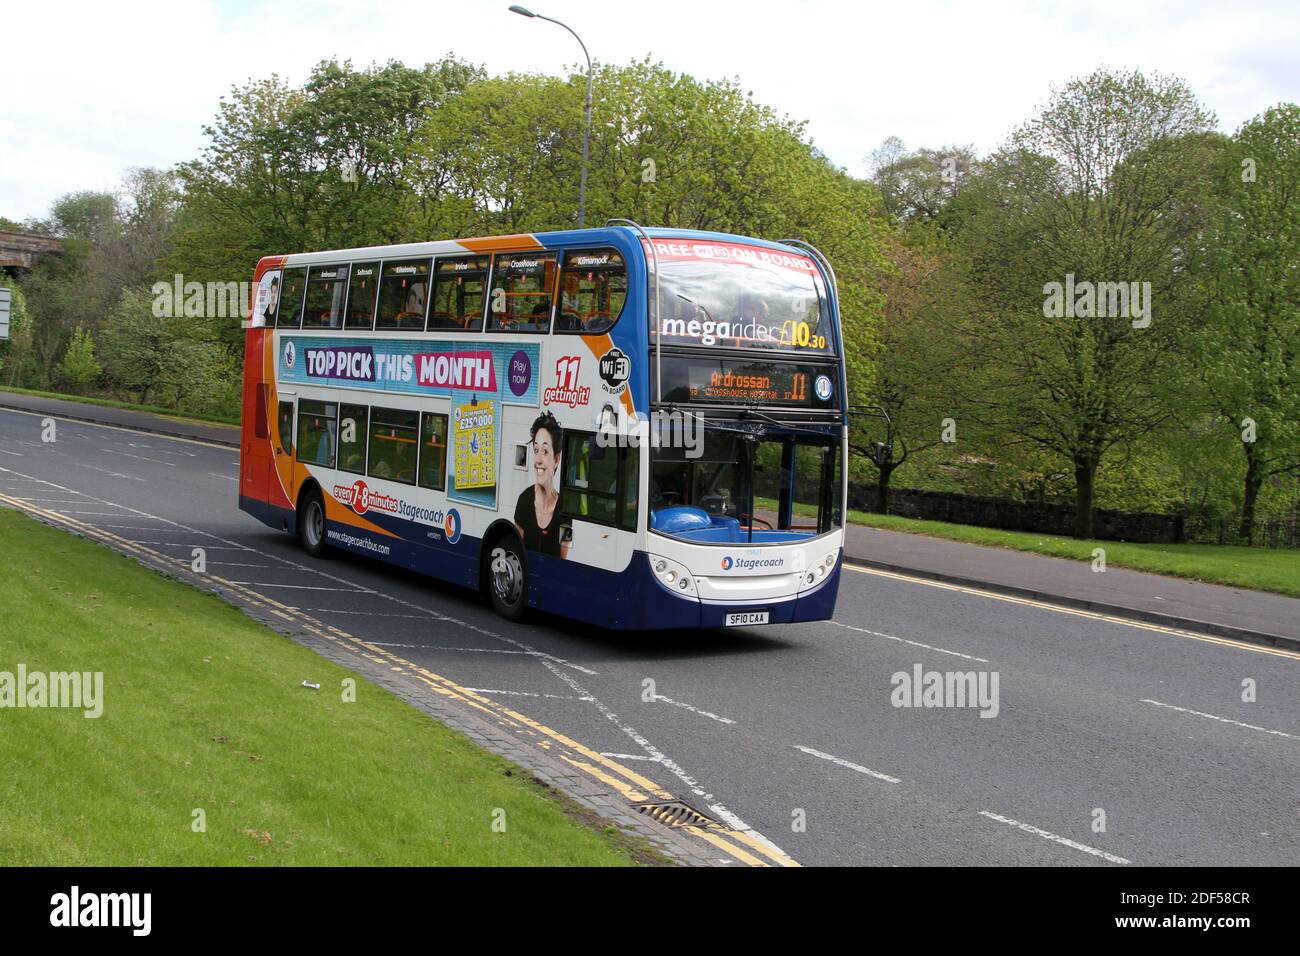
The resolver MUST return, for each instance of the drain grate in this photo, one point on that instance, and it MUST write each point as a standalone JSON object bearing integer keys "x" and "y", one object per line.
{"x": 674, "y": 813}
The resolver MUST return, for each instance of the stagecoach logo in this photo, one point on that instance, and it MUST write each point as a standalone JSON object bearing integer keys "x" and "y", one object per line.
{"x": 822, "y": 387}
{"x": 615, "y": 369}
{"x": 288, "y": 354}
{"x": 361, "y": 499}
{"x": 750, "y": 564}
{"x": 451, "y": 526}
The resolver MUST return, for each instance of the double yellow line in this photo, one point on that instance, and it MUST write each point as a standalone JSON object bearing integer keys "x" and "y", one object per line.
{"x": 738, "y": 845}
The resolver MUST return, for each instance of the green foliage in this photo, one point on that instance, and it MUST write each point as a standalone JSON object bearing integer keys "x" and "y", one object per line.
{"x": 78, "y": 368}
{"x": 1101, "y": 187}
{"x": 1247, "y": 350}
{"x": 175, "y": 360}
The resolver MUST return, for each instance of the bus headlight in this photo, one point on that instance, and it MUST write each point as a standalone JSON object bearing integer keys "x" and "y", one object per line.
{"x": 673, "y": 576}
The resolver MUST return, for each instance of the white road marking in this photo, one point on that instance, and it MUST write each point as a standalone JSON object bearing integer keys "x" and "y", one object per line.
{"x": 132, "y": 527}
{"x": 1224, "y": 720}
{"x": 904, "y": 640}
{"x": 53, "y": 501}
{"x": 522, "y": 693}
{"x": 492, "y": 650}
{"x": 332, "y": 610}
{"x": 102, "y": 514}
{"x": 16, "y": 454}
{"x": 614, "y": 756}
{"x": 840, "y": 761}
{"x": 694, "y": 710}
{"x": 226, "y": 477}
{"x": 114, "y": 451}
{"x": 1055, "y": 838}
{"x": 191, "y": 544}
{"x": 105, "y": 471}
{"x": 296, "y": 587}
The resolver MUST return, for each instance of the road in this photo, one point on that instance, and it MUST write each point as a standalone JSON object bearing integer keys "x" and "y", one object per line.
{"x": 792, "y": 731}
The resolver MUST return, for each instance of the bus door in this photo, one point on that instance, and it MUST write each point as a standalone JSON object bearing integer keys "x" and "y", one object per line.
{"x": 599, "y": 493}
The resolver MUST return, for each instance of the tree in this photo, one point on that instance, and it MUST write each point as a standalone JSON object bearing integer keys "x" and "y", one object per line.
{"x": 1078, "y": 240}
{"x": 78, "y": 367}
{"x": 173, "y": 359}
{"x": 920, "y": 184}
{"x": 914, "y": 360}
{"x": 1248, "y": 349}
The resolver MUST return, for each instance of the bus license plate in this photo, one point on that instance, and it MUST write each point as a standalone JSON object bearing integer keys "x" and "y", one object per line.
{"x": 741, "y": 618}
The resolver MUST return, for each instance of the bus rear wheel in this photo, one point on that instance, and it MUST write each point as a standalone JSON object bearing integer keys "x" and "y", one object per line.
{"x": 311, "y": 524}
{"x": 507, "y": 578}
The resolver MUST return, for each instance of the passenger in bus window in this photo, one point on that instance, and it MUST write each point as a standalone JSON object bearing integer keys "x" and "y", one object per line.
{"x": 535, "y": 513}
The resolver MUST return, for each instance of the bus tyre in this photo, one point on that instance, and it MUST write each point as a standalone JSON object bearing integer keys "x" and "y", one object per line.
{"x": 311, "y": 524}
{"x": 507, "y": 578}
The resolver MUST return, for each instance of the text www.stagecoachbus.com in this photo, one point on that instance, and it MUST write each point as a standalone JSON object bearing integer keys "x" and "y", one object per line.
{"x": 350, "y": 539}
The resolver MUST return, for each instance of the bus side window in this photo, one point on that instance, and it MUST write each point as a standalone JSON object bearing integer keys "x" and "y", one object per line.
{"x": 433, "y": 452}
{"x": 288, "y": 310}
{"x": 591, "y": 477}
{"x": 523, "y": 292}
{"x": 394, "y": 433}
{"x": 327, "y": 288}
{"x": 286, "y": 428}
{"x": 362, "y": 290}
{"x": 593, "y": 289}
{"x": 459, "y": 284}
{"x": 317, "y": 431}
{"x": 354, "y": 422}
{"x": 403, "y": 295}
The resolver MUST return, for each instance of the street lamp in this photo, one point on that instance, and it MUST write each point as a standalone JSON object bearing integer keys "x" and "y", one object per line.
{"x": 586, "y": 132}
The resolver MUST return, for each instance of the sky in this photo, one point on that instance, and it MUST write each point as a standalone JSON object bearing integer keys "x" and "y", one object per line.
{"x": 93, "y": 88}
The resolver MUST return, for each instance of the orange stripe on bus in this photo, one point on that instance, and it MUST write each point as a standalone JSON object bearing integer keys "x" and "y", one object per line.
{"x": 501, "y": 243}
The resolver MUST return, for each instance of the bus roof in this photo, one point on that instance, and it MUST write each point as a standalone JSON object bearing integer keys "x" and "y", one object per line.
{"x": 520, "y": 242}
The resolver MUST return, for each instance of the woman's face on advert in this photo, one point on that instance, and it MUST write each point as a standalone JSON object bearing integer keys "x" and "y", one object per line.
{"x": 543, "y": 458}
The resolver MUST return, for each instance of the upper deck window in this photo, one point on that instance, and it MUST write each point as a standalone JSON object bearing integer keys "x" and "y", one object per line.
{"x": 403, "y": 295}
{"x": 523, "y": 288}
{"x": 731, "y": 295}
{"x": 327, "y": 289}
{"x": 458, "y": 288}
{"x": 361, "y": 295}
{"x": 593, "y": 288}
{"x": 286, "y": 302}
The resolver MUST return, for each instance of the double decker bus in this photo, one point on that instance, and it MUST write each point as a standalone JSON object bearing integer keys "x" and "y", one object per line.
{"x": 635, "y": 428}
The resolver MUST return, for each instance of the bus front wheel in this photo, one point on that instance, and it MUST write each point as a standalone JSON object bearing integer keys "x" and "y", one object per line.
{"x": 311, "y": 524}
{"x": 507, "y": 578}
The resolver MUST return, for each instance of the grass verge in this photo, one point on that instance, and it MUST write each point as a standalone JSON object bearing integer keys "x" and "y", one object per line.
{"x": 1261, "y": 569}
{"x": 112, "y": 403}
{"x": 203, "y": 710}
